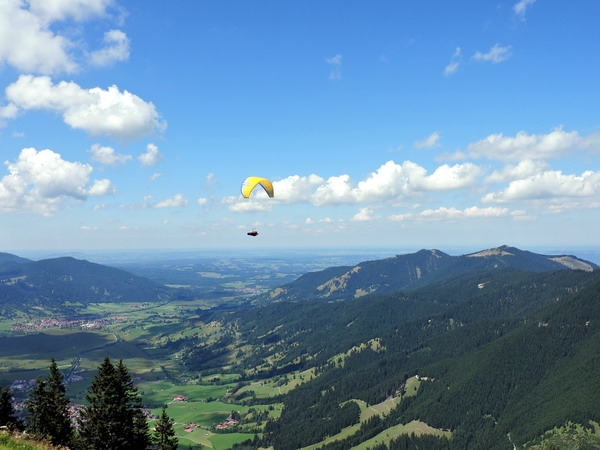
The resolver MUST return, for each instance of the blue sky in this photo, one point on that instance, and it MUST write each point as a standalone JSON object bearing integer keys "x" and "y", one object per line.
{"x": 400, "y": 124}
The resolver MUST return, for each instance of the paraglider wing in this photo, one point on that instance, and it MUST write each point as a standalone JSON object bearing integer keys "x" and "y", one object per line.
{"x": 251, "y": 182}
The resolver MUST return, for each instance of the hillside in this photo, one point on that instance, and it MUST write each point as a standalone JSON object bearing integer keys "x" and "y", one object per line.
{"x": 413, "y": 270}
{"x": 53, "y": 282}
{"x": 468, "y": 348}
{"x": 494, "y": 345}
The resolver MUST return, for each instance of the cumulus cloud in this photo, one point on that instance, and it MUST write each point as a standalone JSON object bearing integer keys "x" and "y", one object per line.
{"x": 393, "y": 180}
{"x": 58, "y": 10}
{"x": 151, "y": 157}
{"x": 120, "y": 115}
{"x": 29, "y": 43}
{"x": 389, "y": 183}
{"x": 101, "y": 187}
{"x": 117, "y": 49}
{"x": 551, "y": 184}
{"x": 524, "y": 146}
{"x": 9, "y": 111}
{"x": 495, "y": 55}
{"x": 107, "y": 155}
{"x": 40, "y": 181}
{"x": 336, "y": 67}
{"x": 522, "y": 170}
{"x": 297, "y": 189}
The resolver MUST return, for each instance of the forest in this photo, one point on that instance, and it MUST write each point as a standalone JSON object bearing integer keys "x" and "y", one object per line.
{"x": 523, "y": 345}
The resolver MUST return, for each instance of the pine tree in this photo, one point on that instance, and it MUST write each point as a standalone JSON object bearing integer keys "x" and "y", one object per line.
{"x": 113, "y": 419}
{"x": 164, "y": 433}
{"x": 140, "y": 431}
{"x": 48, "y": 409}
{"x": 8, "y": 415}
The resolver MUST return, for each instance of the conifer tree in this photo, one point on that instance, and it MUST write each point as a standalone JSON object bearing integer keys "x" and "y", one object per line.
{"x": 113, "y": 419}
{"x": 134, "y": 408}
{"x": 164, "y": 433}
{"x": 48, "y": 409}
{"x": 8, "y": 415}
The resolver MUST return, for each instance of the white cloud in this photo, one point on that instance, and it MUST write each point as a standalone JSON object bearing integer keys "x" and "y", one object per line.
{"x": 247, "y": 205}
{"x": 448, "y": 177}
{"x": 335, "y": 190}
{"x": 364, "y": 215}
{"x": 336, "y": 67}
{"x": 524, "y": 146}
{"x": 521, "y": 7}
{"x": 176, "y": 201}
{"x": 522, "y": 170}
{"x": 550, "y": 185}
{"x": 431, "y": 141}
{"x": 151, "y": 157}
{"x": 392, "y": 180}
{"x": 112, "y": 113}
{"x": 101, "y": 187}
{"x": 389, "y": 183}
{"x": 452, "y": 66}
{"x": 444, "y": 213}
{"x": 473, "y": 212}
{"x": 28, "y": 41}
{"x": 9, "y": 111}
{"x": 59, "y": 10}
{"x": 495, "y": 55}
{"x": 117, "y": 49}
{"x": 107, "y": 155}
{"x": 40, "y": 182}
{"x": 296, "y": 189}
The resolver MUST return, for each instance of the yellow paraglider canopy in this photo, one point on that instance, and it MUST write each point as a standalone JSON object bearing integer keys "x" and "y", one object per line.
{"x": 251, "y": 182}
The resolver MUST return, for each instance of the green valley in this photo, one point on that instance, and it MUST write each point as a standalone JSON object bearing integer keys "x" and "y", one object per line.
{"x": 454, "y": 361}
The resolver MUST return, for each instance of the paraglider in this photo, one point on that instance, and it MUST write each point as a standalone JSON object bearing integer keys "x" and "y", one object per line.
{"x": 251, "y": 182}
{"x": 248, "y": 186}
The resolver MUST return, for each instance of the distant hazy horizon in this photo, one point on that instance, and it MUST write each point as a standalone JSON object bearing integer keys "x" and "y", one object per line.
{"x": 105, "y": 256}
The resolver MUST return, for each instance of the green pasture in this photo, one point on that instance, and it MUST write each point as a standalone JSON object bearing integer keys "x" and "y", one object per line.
{"x": 163, "y": 392}
{"x": 202, "y": 413}
{"x": 279, "y": 385}
{"x": 205, "y": 415}
{"x": 382, "y": 409}
{"x": 208, "y": 439}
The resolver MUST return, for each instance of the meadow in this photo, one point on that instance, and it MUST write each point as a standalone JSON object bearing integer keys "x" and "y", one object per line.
{"x": 136, "y": 333}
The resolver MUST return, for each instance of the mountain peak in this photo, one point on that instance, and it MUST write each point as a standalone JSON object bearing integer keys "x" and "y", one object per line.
{"x": 404, "y": 272}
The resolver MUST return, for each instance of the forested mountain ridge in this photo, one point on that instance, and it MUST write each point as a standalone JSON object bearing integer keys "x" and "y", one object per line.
{"x": 52, "y": 282}
{"x": 495, "y": 345}
{"x": 409, "y": 271}
{"x": 10, "y": 258}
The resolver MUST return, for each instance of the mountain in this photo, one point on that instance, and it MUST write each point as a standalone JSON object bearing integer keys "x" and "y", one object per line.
{"x": 10, "y": 258}
{"x": 413, "y": 270}
{"x": 499, "y": 350}
{"x": 52, "y": 282}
